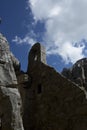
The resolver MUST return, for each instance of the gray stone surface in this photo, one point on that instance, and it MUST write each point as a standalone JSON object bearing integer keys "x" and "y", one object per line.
{"x": 7, "y": 60}
{"x": 10, "y": 100}
{"x": 10, "y": 104}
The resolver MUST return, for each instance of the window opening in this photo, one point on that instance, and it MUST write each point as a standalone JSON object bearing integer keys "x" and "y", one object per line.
{"x": 39, "y": 89}
{"x": 35, "y": 59}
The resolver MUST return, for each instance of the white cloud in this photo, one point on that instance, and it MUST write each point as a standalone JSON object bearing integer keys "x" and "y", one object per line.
{"x": 65, "y": 24}
{"x": 26, "y": 40}
{"x": 43, "y": 9}
{"x": 70, "y": 52}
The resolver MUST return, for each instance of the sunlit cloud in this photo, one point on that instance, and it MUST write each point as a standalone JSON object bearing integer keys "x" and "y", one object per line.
{"x": 65, "y": 24}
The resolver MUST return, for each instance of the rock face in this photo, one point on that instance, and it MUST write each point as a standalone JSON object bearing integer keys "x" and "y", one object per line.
{"x": 77, "y": 73}
{"x": 52, "y": 102}
{"x": 10, "y": 101}
{"x": 7, "y": 61}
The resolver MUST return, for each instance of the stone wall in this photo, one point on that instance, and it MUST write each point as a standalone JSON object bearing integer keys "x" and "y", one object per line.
{"x": 53, "y": 102}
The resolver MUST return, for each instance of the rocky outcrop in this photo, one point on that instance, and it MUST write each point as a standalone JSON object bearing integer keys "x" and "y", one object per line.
{"x": 10, "y": 101}
{"x": 8, "y": 63}
{"x": 10, "y": 104}
{"x": 77, "y": 73}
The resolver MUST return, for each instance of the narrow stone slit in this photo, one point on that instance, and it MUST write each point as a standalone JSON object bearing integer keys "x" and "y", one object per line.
{"x": 39, "y": 89}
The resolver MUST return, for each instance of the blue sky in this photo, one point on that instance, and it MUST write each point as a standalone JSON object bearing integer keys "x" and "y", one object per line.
{"x": 61, "y": 26}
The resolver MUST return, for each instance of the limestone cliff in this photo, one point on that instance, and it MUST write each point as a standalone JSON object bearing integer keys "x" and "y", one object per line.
{"x": 10, "y": 101}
